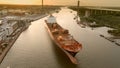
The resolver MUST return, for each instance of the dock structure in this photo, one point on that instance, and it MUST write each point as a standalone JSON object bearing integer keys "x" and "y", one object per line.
{"x": 88, "y": 11}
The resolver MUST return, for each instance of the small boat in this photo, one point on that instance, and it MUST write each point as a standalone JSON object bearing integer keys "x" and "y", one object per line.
{"x": 83, "y": 26}
{"x": 63, "y": 39}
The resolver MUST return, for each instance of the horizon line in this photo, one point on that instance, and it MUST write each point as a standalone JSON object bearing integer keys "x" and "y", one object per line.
{"x": 53, "y": 5}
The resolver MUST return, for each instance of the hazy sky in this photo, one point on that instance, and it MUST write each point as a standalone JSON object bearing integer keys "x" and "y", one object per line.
{"x": 65, "y": 2}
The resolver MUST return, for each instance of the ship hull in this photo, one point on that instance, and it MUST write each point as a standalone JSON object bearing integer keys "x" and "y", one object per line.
{"x": 71, "y": 55}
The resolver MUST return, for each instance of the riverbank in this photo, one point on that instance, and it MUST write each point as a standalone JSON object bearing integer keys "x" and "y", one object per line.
{"x": 101, "y": 20}
{"x": 111, "y": 39}
{"x": 102, "y": 32}
{"x": 112, "y": 21}
{"x": 7, "y": 45}
{"x": 113, "y": 31}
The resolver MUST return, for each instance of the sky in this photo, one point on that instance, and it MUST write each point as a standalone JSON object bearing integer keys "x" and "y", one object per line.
{"x": 64, "y": 2}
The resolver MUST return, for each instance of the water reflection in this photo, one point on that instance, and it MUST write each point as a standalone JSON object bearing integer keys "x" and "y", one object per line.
{"x": 62, "y": 59}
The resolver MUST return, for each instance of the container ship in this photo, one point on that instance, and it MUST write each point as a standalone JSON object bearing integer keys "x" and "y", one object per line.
{"x": 63, "y": 39}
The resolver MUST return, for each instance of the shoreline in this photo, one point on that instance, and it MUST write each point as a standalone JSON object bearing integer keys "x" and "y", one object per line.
{"x": 6, "y": 50}
{"x": 11, "y": 43}
{"x": 86, "y": 24}
{"x": 111, "y": 39}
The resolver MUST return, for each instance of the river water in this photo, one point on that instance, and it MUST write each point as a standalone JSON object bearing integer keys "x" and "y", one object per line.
{"x": 35, "y": 49}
